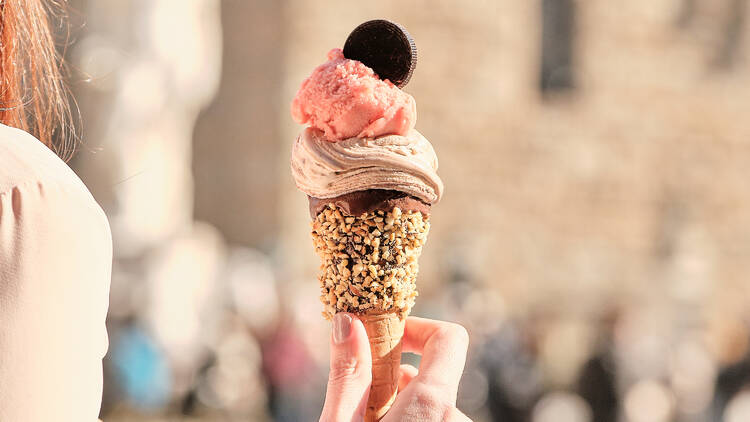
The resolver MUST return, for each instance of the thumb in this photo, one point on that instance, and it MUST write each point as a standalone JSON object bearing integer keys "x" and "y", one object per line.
{"x": 350, "y": 375}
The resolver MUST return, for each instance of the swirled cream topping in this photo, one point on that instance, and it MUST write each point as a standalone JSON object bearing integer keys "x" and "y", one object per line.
{"x": 405, "y": 163}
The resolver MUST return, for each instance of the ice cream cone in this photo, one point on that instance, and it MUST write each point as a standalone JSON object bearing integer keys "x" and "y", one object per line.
{"x": 369, "y": 249}
{"x": 371, "y": 179}
{"x": 384, "y": 331}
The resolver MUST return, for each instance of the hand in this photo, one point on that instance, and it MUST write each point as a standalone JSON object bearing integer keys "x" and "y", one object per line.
{"x": 427, "y": 394}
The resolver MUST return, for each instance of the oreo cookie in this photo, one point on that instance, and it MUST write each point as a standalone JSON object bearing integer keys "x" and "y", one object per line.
{"x": 386, "y": 48}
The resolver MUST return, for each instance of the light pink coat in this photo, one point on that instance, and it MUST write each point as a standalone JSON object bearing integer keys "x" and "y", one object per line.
{"x": 55, "y": 267}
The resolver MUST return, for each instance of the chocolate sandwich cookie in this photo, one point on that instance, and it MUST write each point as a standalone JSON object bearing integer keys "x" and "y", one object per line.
{"x": 385, "y": 47}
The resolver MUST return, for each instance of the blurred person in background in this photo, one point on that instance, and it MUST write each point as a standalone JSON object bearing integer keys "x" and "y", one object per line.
{"x": 55, "y": 243}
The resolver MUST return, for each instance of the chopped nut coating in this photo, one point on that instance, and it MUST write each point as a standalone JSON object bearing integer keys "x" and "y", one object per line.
{"x": 366, "y": 265}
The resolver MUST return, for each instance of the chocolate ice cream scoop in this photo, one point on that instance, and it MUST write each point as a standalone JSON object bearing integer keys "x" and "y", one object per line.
{"x": 367, "y": 201}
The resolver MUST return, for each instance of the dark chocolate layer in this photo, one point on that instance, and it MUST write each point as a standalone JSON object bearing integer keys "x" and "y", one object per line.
{"x": 360, "y": 202}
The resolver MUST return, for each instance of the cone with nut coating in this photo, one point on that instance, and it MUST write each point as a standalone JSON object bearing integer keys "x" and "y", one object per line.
{"x": 369, "y": 262}
{"x": 369, "y": 268}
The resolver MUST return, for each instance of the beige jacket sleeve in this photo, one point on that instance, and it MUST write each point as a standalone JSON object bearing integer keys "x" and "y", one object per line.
{"x": 55, "y": 265}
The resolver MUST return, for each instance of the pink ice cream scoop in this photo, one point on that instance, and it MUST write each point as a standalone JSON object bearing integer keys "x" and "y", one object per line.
{"x": 345, "y": 99}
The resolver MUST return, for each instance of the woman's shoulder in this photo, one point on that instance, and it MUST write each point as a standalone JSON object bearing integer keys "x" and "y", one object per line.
{"x": 24, "y": 159}
{"x": 26, "y": 163}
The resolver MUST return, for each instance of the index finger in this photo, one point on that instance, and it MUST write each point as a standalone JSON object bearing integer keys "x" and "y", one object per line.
{"x": 443, "y": 347}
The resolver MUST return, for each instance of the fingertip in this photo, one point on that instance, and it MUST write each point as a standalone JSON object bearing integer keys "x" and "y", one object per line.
{"x": 457, "y": 334}
{"x": 443, "y": 346}
{"x": 408, "y": 370}
{"x": 348, "y": 335}
{"x": 360, "y": 326}
{"x": 341, "y": 328}
{"x": 407, "y": 373}
{"x": 419, "y": 331}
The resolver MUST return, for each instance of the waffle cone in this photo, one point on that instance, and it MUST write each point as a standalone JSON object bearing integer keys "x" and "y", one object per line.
{"x": 369, "y": 268}
{"x": 384, "y": 330}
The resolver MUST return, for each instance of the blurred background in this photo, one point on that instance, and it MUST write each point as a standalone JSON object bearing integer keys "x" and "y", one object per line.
{"x": 594, "y": 236}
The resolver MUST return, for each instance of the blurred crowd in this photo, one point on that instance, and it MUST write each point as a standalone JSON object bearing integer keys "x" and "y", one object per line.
{"x": 257, "y": 350}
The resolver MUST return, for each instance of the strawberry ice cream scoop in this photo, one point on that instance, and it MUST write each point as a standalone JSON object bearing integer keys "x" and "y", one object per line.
{"x": 344, "y": 98}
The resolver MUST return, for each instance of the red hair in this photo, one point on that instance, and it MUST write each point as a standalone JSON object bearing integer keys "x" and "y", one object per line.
{"x": 33, "y": 94}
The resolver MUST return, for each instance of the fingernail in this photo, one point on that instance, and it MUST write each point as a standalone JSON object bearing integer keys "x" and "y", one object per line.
{"x": 342, "y": 326}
